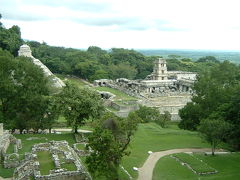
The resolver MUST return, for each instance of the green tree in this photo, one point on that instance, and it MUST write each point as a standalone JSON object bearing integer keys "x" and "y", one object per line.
{"x": 190, "y": 115}
{"x": 148, "y": 114}
{"x": 109, "y": 143}
{"x": 23, "y": 91}
{"x": 214, "y": 131}
{"x": 105, "y": 156}
{"x": 10, "y": 39}
{"x": 163, "y": 119}
{"x": 208, "y": 59}
{"x": 213, "y": 88}
{"x": 230, "y": 111}
{"x": 79, "y": 104}
{"x": 122, "y": 70}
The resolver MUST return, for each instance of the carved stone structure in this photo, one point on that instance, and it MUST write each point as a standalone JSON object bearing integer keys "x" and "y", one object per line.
{"x": 160, "y": 70}
{"x": 160, "y": 83}
{"x": 176, "y": 86}
{"x": 62, "y": 154}
{"x": 1, "y": 129}
{"x": 26, "y": 51}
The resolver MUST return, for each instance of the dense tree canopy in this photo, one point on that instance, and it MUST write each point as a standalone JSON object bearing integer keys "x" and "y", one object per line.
{"x": 78, "y": 105}
{"x": 10, "y": 39}
{"x": 24, "y": 93}
{"x": 109, "y": 143}
{"x": 216, "y": 96}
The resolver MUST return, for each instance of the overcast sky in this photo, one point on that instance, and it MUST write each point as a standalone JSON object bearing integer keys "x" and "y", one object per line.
{"x": 180, "y": 24}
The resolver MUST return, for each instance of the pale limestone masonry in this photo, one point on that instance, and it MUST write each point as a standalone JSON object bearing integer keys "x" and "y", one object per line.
{"x": 1, "y": 129}
{"x": 26, "y": 51}
{"x": 61, "y": 153}
{"x": 4, "y": 143}
{"x": 160, "y": 70}
{"x": 167, "y": 90}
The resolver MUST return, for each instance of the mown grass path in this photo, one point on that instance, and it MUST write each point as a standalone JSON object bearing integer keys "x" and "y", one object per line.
{"x": 146, "y": 171}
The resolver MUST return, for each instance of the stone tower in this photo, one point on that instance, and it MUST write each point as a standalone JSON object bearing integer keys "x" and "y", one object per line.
{"x": 25, "y": 51}
{"x": 160, "y": 70}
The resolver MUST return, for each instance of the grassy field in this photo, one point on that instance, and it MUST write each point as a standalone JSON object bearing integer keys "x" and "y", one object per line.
{"x": 37, "y": 138}
{"x": 46, "y": 162}
{"x": 196, "y": 164}
{"x": 119, "y": 94}
{"x": 81, "y": 146}
{"x": 80, "y": 83}
{"x": 41, "y": 138}
{"x": 151, "y": 137}
{"x": 77, "y": 81}
{"x": 227, "y": 166}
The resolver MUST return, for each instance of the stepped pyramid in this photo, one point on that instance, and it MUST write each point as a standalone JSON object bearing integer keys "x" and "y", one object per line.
{"x": 26, "y": 51}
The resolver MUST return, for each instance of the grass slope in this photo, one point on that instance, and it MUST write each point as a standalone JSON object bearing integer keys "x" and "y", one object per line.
{"x": 45, "y": 161}
{"x": 119, "y": 94}
{"x": 151, "y": 137}
{"x": 227, "y": 166}
{"x": 195, "y": 163}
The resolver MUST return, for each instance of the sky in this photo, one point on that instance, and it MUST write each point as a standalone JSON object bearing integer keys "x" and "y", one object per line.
{"x": 133, "y": 24}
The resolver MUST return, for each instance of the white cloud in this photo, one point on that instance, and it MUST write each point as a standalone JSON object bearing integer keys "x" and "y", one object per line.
{"x": 200, "y": 24}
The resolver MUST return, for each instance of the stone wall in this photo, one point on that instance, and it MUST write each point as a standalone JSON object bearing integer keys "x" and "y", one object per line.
{"x": 26, "y": 51}
{"x": 58, "y": 149}
{"x": 1, "y": 129}
{"x": 73, "y": 175}
{"x": 4, "y": 143}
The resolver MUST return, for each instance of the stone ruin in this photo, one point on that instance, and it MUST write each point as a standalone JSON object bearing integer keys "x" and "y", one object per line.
{"x": 1, "y": 129}
{"x": 62, "y": 154}
{"x": 27, "y": 165}
{"x": 26, "y": 51}
{"x": 9, "y": 160}
{"x": 160, "y": 83}
{"x": 166, "y": 90}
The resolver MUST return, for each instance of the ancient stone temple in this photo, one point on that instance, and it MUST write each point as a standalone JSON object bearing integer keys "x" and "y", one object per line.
{"x": 160, "y": 83}
{"x": 160, "y": 70}
{"x": 26, "y": 51}
{"x": 166, "y": 90}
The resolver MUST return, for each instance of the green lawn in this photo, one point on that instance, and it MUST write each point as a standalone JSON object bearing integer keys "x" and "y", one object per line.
{"x": 195, "y": 163}
{"x": 119, "y": 94}
{"x": 69, "y": 166}
{"x": 151, "y": 137}
{"x": 77, "y": 81}
{"x": 10, "y": 149}
{"x": 45, "y": 161}
{"x": 227, "y": 166}
{"x": 81, "y": 146}
{"x": 27, "y": 146}
{"x": 6, "y": 173}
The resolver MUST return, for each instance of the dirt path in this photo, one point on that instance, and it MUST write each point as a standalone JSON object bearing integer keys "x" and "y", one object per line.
{"x": 1, "y": 178}
{"x": 69, "y": 130}
{"x": 146, "y": 171}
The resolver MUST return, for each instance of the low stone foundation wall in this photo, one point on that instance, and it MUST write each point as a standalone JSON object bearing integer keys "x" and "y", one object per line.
{"x": 4, "y": 143}
{"x": 71, "y": 175}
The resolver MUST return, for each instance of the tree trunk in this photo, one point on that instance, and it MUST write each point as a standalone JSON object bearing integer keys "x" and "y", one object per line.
{"x": 75, "y": 129}
{"x": 213, "y": 148}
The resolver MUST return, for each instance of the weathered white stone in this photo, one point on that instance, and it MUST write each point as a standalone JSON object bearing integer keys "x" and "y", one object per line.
{"x": 26, "y": 51}
{"x": 1, "y": 129}
{"x": 166, "y": 90}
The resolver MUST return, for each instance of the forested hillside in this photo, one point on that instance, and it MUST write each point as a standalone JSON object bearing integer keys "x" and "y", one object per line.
{"x": 96, "y": 63}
